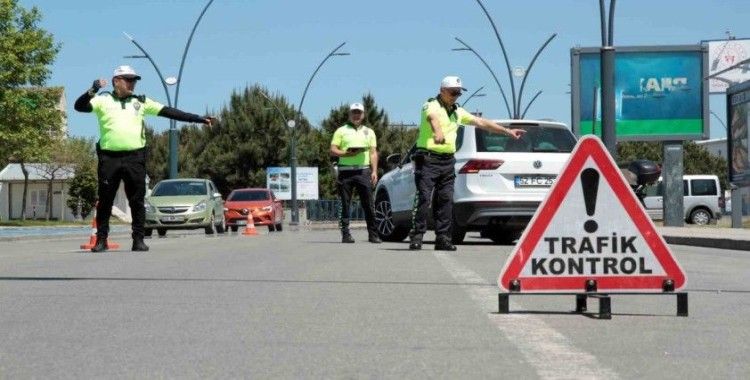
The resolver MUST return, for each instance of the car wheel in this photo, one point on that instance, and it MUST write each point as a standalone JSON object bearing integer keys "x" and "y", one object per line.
{"x": 210, "y": 227}
{"x": 162, "y": 232}
{"x": 387, "y": 228}
{"x": 700, "y": 216}
{"x": 220, "y": 227}
{"x": 234, "y": 228}
{"x": 148, "y": 232}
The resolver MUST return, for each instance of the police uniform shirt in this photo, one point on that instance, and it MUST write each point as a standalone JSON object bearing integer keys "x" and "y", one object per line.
{"x": 449, "y": 118}
{"x": 349, "y": 136}
{"x": 121, "y": 126}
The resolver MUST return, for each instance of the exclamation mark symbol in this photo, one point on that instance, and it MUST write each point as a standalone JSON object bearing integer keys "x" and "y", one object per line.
{"x": 590, "y": 183}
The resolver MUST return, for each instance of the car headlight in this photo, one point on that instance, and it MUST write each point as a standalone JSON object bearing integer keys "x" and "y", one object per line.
{"x": 201, "y": 206}
{"x": 267, "y": 208}
{"x": 150, "y": 208}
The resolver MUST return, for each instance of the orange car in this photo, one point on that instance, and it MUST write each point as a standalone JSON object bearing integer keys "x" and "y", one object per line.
{"x": 263, "y": 205}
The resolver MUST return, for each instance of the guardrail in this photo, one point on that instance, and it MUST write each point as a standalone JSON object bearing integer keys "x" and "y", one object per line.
{"x": 327, "y": 210}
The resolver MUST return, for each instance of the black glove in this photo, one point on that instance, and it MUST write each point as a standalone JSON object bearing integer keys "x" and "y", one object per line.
{"x": 95, "y": 86}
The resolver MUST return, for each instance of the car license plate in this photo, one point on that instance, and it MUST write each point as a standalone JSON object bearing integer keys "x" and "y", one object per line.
{"x": 534, "y": 180}
{"x": 172, "y": 218}
{"x": 242, "y": 222}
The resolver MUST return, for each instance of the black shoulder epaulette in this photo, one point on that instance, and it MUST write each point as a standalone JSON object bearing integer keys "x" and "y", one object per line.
{"x": 141, "y": 98}
{"x": 430, "y": 99}
{"x": 105, "y": 93}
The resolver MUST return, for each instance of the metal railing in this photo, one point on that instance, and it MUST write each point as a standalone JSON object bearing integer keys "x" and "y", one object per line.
{"x": 327, "y": 210}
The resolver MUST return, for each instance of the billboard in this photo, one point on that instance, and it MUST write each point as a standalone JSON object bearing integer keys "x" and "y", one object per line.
{"x": 738, "y": 114}
{"x": 279, "y": 180}
{"x": 661, "y": 93}
{"x": 722, "y": 55}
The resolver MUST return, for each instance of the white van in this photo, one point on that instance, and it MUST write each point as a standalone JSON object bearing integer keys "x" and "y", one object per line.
{"x": 702, "y": 202}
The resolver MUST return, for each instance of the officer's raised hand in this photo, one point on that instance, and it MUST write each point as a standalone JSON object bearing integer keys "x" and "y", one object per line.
{"x": 97, "y": 85}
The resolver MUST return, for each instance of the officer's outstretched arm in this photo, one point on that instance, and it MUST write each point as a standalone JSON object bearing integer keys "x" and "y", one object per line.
{"x": 175, "y": 114}
{"x": 491, "y": 126}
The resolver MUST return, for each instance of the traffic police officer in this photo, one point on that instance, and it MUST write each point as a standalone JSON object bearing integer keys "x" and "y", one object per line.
{"x": 121, "y": 148}
{"x": 355, "y": 145}
{"x": 434, "y": 162}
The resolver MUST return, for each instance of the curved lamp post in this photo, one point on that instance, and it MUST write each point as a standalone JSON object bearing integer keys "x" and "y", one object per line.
{"x": 474, "y": 94}
{"x": 516, "y": 98}
{"x": 293, "y": 123}
{"x": 173, "y": 146}
{"x": 492, "y": 72}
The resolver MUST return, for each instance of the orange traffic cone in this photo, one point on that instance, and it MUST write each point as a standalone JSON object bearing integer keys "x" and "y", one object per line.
{"x": 92, "y": 238}
{"x": 250, "y": 227}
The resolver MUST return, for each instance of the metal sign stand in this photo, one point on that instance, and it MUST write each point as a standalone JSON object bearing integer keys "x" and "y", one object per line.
{"x": 605, "y": 302}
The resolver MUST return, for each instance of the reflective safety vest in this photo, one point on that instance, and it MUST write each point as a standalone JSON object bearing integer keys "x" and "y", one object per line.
{"x": 121, "y": 126}
{"x": 449, "y": 118}
{"x": 349, "y": 136}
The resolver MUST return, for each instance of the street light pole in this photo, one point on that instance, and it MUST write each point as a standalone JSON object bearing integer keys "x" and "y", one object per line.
{"x": 607, "y": 68}
{"x": 173, "y": 136}
{"x": 473, "y": 94}
{"x": 292, "y": 125}
{"x": 486, "y": 65}
{"x": 148, "y": 56}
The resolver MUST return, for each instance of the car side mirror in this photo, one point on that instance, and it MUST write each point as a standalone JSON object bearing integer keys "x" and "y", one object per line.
{"x": 394, "y": 160}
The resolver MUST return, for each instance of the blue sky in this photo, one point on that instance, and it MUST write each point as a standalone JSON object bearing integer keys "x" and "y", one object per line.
{"x": 399, "y": 49}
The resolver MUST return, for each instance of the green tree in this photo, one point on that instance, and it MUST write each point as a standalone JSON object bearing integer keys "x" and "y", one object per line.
{"x": 30, "y": 121}
{"x": 696, "y": 158}
{"x": 63, "y": 160}
{"x": 157, "y": 151}
{"x": 250, "y": 136}
{"x": 82, "y": 192}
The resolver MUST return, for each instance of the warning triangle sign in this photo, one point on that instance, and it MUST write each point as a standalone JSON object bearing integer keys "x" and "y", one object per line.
{"x": 591, "y": 226}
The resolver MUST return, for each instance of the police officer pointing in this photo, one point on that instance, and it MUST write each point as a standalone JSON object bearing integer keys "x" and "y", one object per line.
{"x": 121, "y": 148}
{"x": 434, "y": 162}
{"x": 355, "y": 145}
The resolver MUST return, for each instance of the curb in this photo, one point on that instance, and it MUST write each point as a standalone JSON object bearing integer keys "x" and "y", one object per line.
{"x": 720, "y": 243}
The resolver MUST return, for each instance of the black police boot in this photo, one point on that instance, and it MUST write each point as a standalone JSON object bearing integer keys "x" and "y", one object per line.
{"x": 415, "y": 243}
{"x": 375, "y": 239}
{"x": 443, "y": 243}
{"x": 346, "y": 237}
{"x": 139, "y": 245}
{"x": 100, "y": 246}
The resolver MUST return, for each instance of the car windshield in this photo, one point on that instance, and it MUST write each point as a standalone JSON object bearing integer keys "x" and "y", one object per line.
{"x": 536, "y": 139}
{"x": 178, "y": 188}
{"x": 245, "y": 196}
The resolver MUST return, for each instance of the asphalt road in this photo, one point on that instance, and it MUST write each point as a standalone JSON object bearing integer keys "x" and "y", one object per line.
{"x": 302, "y": 305}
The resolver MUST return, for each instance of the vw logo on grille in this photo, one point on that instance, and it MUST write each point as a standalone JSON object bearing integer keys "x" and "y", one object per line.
{"x": 244, "y": 211}
{"x": 537, "y": 164}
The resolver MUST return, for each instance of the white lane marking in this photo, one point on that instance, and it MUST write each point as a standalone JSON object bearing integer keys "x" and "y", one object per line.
{"x": 551, "y": 354}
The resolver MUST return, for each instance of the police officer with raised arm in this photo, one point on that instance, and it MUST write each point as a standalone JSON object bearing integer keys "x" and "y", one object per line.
{"x": 434, "y": 161}
{"x": 355, "y": 145}
{"x": 121, "y": 148}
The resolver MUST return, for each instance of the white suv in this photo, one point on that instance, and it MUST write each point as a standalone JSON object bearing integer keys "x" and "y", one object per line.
{"x": 500, "y": 181}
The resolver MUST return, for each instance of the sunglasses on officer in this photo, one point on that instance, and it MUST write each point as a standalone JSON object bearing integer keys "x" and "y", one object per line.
{"x": 128, "y": 79}
{"x": 456, "y": 92}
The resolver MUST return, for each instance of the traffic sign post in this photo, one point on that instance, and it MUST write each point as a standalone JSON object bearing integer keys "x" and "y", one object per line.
{"x": 591, "y": 237}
